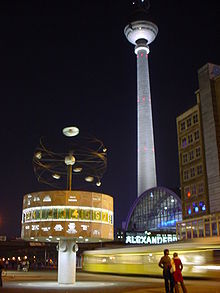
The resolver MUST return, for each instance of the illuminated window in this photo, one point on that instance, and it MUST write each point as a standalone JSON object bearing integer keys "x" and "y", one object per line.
{"x": 194, "y": 189}
{"x": 200, "y": 187}
{"x": 192, "y": 172}
{"x": 196, "y": 135}
{"x": 191, "y": 155}
{"x": 184, "y": 142}
{"x": 185, "y": 175}
{"x": 199, "y": 170}
{"x": 198, "y": 152}
{"x": 185, "y": 157}
{"x": 189, "y": 122}
{"x": 190, "y": 138}
{"x": 183, "y": 126}
{"x": 195, "y": 118}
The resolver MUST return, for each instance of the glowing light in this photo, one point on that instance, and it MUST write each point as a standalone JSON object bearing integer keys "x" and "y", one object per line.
{"x": 58, "y": 227}
{"x": 189, "y": 211}
{"x": 36, "y": 198}
{"x": 71, "y": 131}
{"x": 209, "y": 267}
{"x": 38, "y": 155}
{"x": 172, "y": 200}
{"x": 196, "y": 209}
{"x": 104, "y": 150}
{"x": 35, "y": 227}
{"x": 165, "y": 208}
{"x": 72, "y": 228}
{"x": 141, "y": 48}
{"x": 188, "y": 194}
{"x": 70, "y": 160}
{"x": 56, "y": 176}
{"x": 47, "y": 198}
{"x": 203, "y": 208}
{"x": 72, "y": 198}
{"x": 98, "y": 183}
{"x": 45, "y": 229}
{"x": 89, "y": 178}
{"x": 77, "y": 169}
{"x": 85, "y": 227}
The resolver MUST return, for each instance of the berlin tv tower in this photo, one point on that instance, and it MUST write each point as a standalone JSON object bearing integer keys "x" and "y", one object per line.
{"x": 141, "y": 32}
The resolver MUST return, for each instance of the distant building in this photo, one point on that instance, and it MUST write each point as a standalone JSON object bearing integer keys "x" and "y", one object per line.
{"x": 157, "y": 209}
{"x": 193, "y": 178}
{"x": 198, "y": 131}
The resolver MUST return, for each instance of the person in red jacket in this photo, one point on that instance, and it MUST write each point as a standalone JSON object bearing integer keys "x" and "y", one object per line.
{"x": 177, "y": 267}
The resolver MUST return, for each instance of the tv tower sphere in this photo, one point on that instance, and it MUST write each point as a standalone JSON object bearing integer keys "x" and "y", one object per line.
{"x": 141, "y": 33}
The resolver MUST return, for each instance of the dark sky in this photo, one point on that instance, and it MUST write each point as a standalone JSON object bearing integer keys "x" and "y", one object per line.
{"x": 68, "y": 63}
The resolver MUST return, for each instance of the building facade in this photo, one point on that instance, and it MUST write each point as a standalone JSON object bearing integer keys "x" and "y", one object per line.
{"x": 198, "y": 131}
{"x": 193, "y": 178}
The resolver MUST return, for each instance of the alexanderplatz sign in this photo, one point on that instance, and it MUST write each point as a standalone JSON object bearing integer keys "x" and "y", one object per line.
{"x": 149, "y": 238}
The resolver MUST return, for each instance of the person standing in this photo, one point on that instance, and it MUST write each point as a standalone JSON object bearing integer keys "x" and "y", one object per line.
{"x": 177, "y": 273}
{"x": 165, "y": 264}
{"x": 1, "y": 268}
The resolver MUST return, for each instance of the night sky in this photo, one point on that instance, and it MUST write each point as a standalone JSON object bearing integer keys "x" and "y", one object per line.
{"x": 68, "y": 63}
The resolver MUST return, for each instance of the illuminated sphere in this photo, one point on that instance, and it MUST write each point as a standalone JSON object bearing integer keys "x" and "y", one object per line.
{"x": 71, "y": 131}
{"x": 82, "y": 216}
{"x": 70, "y": 160}
{"x": 141, "y": 30}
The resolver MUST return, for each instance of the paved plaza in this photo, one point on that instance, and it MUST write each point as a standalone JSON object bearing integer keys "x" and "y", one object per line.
{"x": 28, "y": 282}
